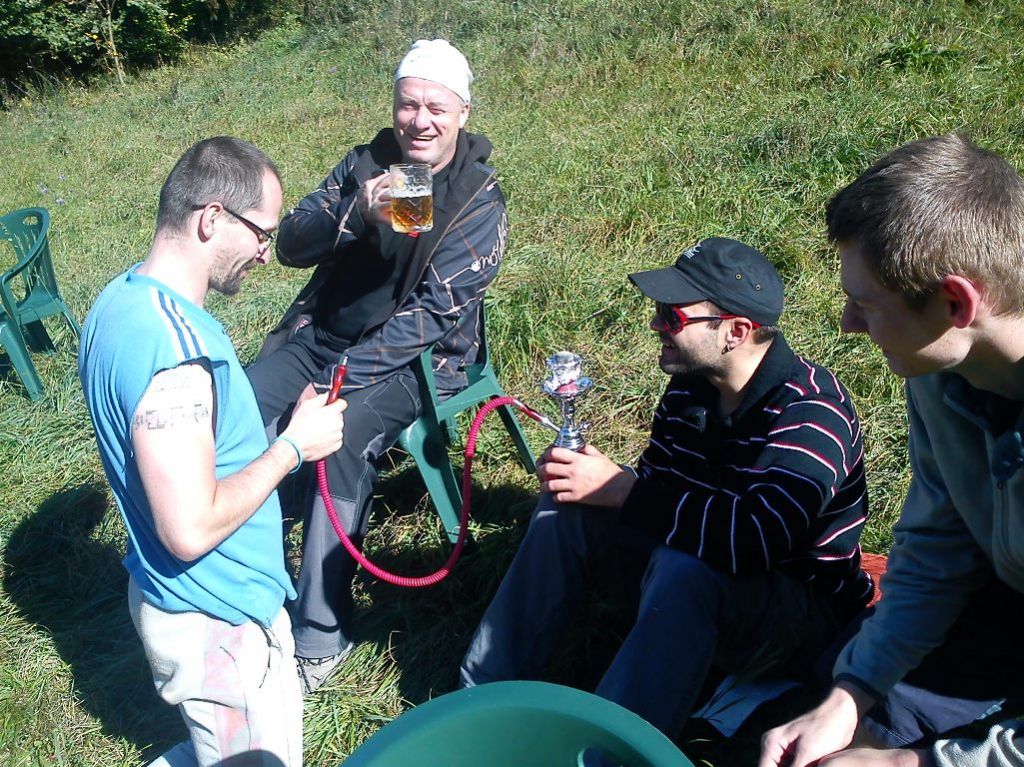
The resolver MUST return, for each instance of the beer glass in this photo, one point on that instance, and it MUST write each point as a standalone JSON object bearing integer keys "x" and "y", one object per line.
{"x": 412, "y": 198}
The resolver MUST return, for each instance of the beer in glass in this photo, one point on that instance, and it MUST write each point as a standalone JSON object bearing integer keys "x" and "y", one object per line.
{"x": 412, "y": 198}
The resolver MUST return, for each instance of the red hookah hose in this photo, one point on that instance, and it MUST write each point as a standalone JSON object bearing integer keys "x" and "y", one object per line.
{"x": 436, "y": 577}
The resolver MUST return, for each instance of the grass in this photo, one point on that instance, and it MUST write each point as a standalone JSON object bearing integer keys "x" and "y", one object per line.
{"x": 624, "y": 131}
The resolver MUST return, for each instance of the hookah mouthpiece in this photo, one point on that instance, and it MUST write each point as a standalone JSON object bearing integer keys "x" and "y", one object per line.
{"x": 338, "y": 380}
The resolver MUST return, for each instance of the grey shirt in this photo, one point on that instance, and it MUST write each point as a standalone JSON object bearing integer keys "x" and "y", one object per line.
{"x": 963, "y": 519}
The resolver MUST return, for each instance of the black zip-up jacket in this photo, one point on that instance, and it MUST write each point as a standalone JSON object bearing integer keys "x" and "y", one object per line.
{"x": 437, "y": 296}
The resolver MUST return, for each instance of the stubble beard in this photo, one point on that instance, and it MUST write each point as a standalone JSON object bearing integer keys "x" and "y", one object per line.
{"x": 686, "y": 363}
{"x": 226, "y": 280}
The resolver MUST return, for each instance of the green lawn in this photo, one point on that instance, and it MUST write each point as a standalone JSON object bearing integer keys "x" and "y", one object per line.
{"x": 624, "y": 131}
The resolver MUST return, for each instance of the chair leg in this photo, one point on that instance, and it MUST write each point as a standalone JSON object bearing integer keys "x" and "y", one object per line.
{"x": 37, "y": 339}
{"x": 14, "y": 344}
{"x": 427, "y": 447}
{"x": 515, "y": 431}
{"x": 71, "y": 320}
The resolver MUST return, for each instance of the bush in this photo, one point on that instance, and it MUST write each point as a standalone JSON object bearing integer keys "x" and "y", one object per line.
{"x": 76, "y": 38}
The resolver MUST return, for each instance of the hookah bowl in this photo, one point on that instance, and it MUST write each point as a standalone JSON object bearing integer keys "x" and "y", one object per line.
{"x": 566, "y": 384}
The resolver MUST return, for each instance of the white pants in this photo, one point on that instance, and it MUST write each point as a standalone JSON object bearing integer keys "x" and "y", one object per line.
{"x": 236, "y": 686}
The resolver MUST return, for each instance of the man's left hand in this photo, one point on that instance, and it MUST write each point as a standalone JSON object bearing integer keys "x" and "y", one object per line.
{"x": 874, "y": 757}
{"x": 587, "y": 476}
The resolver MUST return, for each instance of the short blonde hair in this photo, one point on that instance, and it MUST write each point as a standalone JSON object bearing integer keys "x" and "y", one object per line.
{"x": 933, "y": 208}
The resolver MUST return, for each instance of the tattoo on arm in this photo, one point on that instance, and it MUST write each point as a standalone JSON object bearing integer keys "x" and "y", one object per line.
{"x": 180, "y": 396}
{"x": 169, "y": 417}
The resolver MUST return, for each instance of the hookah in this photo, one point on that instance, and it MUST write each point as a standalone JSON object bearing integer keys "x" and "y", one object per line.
{"x": 565, "y": 384}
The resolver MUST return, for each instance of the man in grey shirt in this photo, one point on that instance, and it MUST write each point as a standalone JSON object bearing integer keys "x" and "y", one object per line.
{"x": 931, "y": 245}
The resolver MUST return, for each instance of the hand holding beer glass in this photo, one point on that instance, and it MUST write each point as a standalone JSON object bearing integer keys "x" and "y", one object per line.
{"x": 412, "y": 197}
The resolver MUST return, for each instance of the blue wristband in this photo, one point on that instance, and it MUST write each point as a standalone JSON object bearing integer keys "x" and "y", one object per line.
{"x": 298, "y": 453}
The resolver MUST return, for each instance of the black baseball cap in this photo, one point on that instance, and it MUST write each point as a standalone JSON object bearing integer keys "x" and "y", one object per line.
{"x": 726, "y": 272}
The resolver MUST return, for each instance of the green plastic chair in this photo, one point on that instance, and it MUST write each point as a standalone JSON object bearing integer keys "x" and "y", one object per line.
{"x": 29, "y": 294}
{"x": 428, "y": 437}
{"x": 516, "y": 724}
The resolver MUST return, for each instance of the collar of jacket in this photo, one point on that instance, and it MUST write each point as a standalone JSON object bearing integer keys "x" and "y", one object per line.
{"x": 470, "y": 149}
{"x": 774, "y": 370}
{"x": 977, "y": 406}
{"x": 466, "y": 179}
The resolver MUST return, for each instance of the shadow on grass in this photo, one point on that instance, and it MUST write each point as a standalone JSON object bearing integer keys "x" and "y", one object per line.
{"x": 427, "y": 630}
{"x": 64, "y": 579}
{"x": 10, "y": 376}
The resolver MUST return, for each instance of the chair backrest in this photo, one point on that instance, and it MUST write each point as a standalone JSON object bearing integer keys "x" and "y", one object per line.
{"x": 23, "y": 229}
{"x": 482, "y": 358}
{"x": 516, "y": 724}
{"x": 27, "y": 232}
{"x": 424, "y": 368}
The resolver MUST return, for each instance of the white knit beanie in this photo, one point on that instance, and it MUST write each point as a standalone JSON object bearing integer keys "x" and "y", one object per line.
{"x": 440, "y": 62}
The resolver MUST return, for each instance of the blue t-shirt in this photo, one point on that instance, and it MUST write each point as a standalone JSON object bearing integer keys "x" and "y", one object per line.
{"x": 137, "y": 328}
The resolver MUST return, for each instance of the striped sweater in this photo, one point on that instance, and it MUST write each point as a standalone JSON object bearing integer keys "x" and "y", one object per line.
{"x": 778, "y": 483}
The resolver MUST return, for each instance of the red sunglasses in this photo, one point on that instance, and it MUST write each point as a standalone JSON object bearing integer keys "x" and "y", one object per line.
{"x": 673, "y": 318}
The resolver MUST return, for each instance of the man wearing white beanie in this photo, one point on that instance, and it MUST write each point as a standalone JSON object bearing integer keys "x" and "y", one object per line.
{"x": 381, "y": 298}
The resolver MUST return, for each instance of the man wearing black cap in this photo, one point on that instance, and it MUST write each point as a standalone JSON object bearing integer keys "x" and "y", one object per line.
{"x": 746, "y": 507}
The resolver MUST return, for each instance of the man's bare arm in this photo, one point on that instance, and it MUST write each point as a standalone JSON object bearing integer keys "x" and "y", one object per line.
{"x": 173, "y": 439}
{"x": 872, "y": 757}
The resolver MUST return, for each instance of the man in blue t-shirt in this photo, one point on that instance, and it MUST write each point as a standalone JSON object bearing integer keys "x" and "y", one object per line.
{"x": 186, "y": 455}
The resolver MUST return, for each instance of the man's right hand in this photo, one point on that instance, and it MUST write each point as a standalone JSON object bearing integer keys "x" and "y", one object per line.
{"x": 822, "y": 731}
{"x": 175, "y": 446}
{"x": 587, "y": 476}
{"x": 317, "y": 427}
{"x": 374, "y": 200}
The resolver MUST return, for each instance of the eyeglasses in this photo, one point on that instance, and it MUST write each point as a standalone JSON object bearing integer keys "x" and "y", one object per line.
{"x": 264, "y": 237}
{"x": 673, "y": 318}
